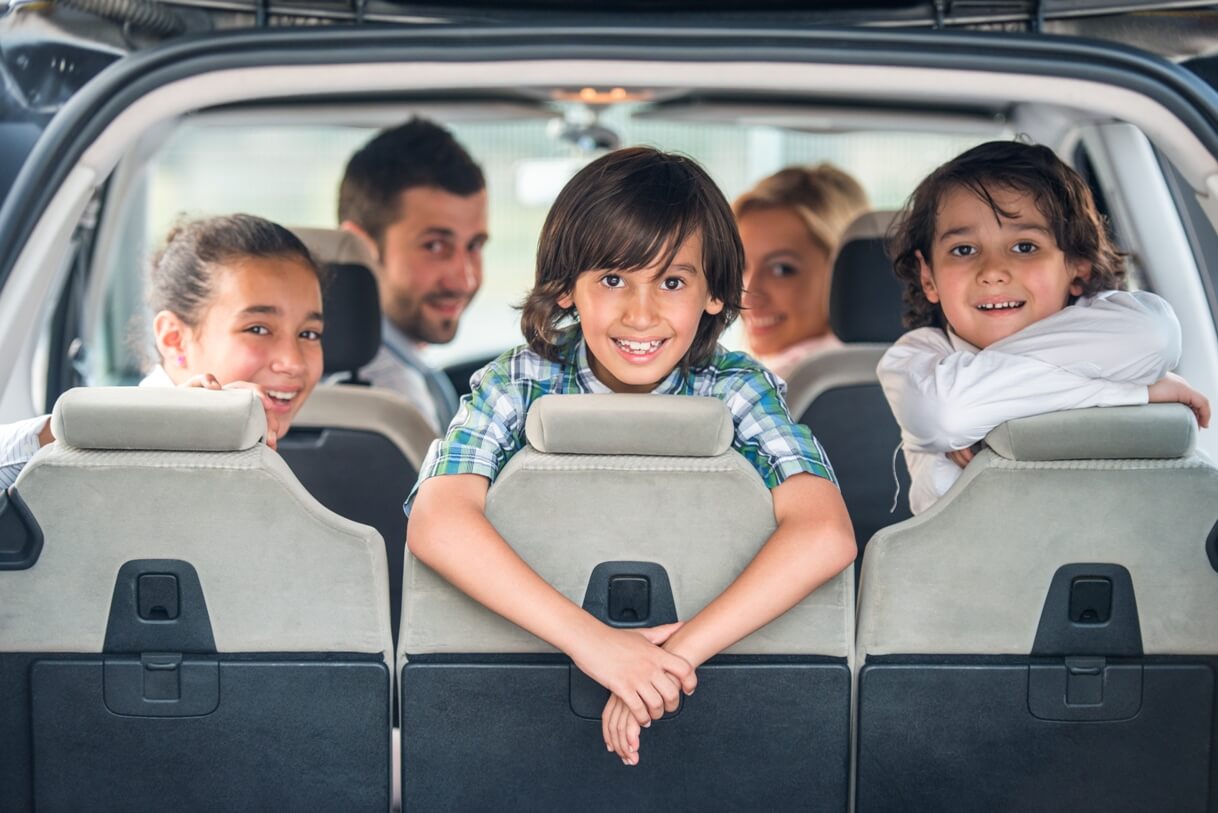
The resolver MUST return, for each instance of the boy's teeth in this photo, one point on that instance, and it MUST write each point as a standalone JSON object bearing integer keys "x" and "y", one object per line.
{"x": 282, "y": 396}
{"x": 638, "y": 347}
{"x": 998, "y": 306}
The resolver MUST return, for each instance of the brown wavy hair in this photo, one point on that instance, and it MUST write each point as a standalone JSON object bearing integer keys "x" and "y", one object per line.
{"x": 623, "y": 212}
{"x": 1060, "y": 194}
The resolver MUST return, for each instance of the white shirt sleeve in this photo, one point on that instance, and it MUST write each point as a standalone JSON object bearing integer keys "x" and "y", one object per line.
{"x": 1103, "y": 351}
{"x": 931, "y": 474}
{"x": 1130, "y": 336}
{"x": 18, "y": 443}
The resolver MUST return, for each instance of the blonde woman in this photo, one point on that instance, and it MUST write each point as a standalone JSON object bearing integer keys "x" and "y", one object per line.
{"x": 791, "y": 224}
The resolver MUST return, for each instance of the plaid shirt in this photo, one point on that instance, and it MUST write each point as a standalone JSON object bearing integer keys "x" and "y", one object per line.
{"x": 489, "y": 426}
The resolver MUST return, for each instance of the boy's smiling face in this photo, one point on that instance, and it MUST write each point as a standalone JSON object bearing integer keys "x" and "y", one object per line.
{"x": 638, "y": 325}
{"x": 994, "y": 275}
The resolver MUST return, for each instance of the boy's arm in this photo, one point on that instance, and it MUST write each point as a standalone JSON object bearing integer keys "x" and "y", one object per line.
{"x": 946, "y": 399}
{"x": 813, "y": 542}
{"x": 449, "y": 532}
{"x": 1130, "y": 336}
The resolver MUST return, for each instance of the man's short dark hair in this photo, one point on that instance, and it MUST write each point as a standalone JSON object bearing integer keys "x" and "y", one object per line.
{"x": 418, "y": 153}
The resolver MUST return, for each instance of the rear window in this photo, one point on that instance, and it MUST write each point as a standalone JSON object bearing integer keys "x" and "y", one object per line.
{"x": 290, "y": 173}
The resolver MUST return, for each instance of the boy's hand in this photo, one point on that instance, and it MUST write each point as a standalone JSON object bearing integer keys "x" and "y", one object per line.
{"x": 208, "y": 381}
{"x": 962, "y": 457}
{"x": 620, "y": 730}
{"x": 1171, "y": 388}
{"x": 631, "y": 665}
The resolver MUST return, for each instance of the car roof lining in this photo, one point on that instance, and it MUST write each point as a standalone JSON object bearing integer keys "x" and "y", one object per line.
{"x": 1084, "y": 100}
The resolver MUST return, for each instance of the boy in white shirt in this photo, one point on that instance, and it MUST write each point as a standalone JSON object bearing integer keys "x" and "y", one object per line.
{"x": 1015, "y": 291}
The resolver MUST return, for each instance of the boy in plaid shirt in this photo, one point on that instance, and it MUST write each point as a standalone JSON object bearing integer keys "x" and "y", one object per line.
{"x": 639, "y": 271}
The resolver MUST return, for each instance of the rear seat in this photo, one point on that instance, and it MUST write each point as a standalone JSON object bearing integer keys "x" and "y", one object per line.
{"x": 836, "y": 393}
{"x": 188, "y": 629}
{"x": 358, "y": 449}
{"x": 613, "y": 498}
{"x": 1045, "y": 637}
{"x": 350, "y": 427}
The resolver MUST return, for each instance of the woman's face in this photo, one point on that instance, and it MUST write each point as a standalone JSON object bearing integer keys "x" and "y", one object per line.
{"x": 263, "y": 325}
{"x": 786, "y": 281}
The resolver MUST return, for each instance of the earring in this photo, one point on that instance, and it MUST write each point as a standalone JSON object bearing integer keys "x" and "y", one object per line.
{"x": 181, "y": 361}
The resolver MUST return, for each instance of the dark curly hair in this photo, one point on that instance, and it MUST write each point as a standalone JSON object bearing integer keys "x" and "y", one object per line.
{"x": 622, "y": 212}
{"x": 1061, "y": 196}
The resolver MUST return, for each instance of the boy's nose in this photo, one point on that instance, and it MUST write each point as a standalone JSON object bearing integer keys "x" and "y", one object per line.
{"x": 994, "y": 272}
{"x": 640, "y": 310}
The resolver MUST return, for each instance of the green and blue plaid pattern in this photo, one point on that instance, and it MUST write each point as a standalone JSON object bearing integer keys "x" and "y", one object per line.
{"x": 489, "y": 426}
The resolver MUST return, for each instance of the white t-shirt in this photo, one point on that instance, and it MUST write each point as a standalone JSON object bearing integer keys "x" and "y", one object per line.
{"x": 947, "y": 394}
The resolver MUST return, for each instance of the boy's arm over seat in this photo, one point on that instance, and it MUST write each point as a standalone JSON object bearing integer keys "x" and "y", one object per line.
{"x": 813, "y": 542}
{"x": 946, "y": 399}
{"x": 449, "y": 532}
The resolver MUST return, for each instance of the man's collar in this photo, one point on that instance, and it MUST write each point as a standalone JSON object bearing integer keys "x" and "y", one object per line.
{"x": 399, "y": 343}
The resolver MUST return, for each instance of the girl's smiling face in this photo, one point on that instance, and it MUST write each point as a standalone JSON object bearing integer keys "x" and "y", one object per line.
{"x": 638, "y": 325}
{"x": 994, "y": 275}
{"x": 786, "y": 281}
{"x": 263, "y": 324}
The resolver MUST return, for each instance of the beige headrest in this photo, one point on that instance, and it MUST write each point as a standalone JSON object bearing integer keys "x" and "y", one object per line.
{"x": 336, "y": 246}
{"x": 1099, "y": 433}
{"x": 158, "y": 418}
{"x": 666, "y": 425}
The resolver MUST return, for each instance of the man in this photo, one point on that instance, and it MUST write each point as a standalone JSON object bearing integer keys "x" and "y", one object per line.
{"x": 416, "y": 198}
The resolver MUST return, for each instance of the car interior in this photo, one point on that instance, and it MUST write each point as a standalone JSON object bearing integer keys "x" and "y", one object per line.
{"x": 195, "y": 620}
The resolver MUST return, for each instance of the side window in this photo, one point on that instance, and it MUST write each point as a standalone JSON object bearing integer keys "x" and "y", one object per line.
{"x": 1085, "y": 166}
{"x": 1201, "y": 235}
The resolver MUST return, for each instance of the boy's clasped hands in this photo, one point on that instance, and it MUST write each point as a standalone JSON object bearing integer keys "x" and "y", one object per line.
{"x": 644, "y": 679}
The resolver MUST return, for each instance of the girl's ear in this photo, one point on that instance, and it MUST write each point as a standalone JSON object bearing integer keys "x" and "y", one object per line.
{"x": 172, "y": 338}
{"x": 714, "y": 306}
{"x": 1082, "y": 274}
{"x": 566, "y": 302}
{"x": 927, "y": 279}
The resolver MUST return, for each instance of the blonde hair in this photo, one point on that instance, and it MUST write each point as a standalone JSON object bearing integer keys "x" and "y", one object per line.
{"x": 825, "y": 198}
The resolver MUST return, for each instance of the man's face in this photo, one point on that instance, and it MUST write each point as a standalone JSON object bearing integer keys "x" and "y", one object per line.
{"x": 431, "y": 261}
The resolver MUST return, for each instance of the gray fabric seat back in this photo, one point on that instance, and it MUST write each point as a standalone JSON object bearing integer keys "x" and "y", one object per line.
{"x": 347, "y": 427}
{"x": 636, "y": 508}
{"x": 1063, "y": 593}
{"x": 193, "y": 618}
{"x": 836, "y": 393}
{"x": 1051, "y": 490}
{"x": 693, "y": 505}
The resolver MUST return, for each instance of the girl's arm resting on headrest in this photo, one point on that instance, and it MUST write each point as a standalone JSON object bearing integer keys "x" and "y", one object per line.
{"x": 19, "y": 442}
{"x": 1130, "y": 336}
{"x": 945, "y": 399}
{"x": 449, "y": 532}
{"x": 813, "y": 542}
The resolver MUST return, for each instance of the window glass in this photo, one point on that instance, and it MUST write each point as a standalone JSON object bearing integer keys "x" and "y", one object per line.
{"x": 290, "y": 174}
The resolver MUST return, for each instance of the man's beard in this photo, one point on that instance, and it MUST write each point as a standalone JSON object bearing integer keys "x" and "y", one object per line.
{"x": 410, "y": 317}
